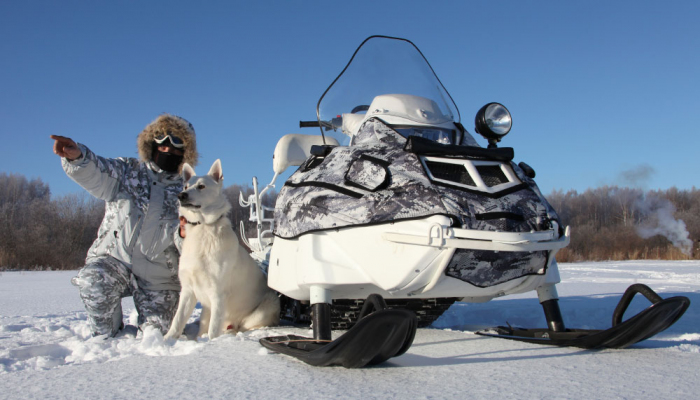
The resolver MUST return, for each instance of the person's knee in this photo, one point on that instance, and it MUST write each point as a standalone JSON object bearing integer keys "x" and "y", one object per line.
{"x": 102, "y": 274}
{"x": 91, "y": 275}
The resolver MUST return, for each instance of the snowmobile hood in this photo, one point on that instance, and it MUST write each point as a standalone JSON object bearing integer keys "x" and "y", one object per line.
{"x": 377, "y": 181}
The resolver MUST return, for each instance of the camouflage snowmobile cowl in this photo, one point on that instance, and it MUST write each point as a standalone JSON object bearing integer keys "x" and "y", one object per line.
{"x": 377, "y": 181}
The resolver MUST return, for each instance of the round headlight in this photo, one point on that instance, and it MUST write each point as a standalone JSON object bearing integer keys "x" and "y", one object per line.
{"x": 493, "y": 121}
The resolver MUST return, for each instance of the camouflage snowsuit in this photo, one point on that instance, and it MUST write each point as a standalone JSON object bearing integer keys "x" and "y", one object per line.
{"x": 136, "y": 252}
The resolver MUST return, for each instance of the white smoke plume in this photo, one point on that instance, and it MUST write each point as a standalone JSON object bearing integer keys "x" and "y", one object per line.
{"x": 656, "y": 211}
{"x": 637, "y": 177}
{"x": 660, "y": 221}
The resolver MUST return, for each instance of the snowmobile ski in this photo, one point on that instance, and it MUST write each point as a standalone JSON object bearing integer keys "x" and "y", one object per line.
{"x": 656, "y": 318}
{"x": 374, "y": 339}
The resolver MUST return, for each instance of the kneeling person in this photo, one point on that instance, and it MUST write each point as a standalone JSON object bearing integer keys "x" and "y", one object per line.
{"x": 137, "y": 249}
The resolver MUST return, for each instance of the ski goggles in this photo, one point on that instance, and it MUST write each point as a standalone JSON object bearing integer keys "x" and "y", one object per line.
{"x": 175, "y": 141}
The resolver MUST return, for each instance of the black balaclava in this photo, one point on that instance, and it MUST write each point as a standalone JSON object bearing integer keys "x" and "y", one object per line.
{"x": 168, "y": 162}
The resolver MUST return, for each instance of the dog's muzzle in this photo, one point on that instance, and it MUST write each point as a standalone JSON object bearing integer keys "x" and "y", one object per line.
{"x": 185, "y": 200}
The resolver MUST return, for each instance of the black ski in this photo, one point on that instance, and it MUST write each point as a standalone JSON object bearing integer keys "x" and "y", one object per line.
{"x": 374, "y": 339}
{"x": 656, "y": 318}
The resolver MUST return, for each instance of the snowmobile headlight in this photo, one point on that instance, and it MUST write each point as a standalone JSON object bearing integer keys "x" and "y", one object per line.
{"x": 493, "y": 121}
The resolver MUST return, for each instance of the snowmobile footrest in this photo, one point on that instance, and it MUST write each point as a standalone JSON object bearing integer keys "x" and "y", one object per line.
{"x": 656, "y": 318}
{"x": 373, "y": 340}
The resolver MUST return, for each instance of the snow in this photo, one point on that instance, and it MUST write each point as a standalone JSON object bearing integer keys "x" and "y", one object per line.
{"x": 46, "y": 351}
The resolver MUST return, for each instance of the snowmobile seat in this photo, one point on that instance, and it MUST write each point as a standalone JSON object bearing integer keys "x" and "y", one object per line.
{"x": 294, "y": 149}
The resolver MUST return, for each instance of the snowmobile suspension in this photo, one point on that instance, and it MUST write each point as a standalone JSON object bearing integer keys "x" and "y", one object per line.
{"x": 321, "y": 321}
{"x": 321, "y": 313}
{"x": 552, "y": 313}
{"x": 549, "y": 299}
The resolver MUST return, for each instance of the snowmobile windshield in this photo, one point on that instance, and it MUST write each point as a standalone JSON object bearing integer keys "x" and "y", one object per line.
{"x": 393, "y": 71}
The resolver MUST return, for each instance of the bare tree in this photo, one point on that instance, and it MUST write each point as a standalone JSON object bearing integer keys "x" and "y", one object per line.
{"x": 605, "y": 223}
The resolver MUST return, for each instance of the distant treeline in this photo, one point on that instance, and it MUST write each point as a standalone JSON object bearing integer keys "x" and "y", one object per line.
{"x": 607, "y": 223}
{"x": 614, "y": 223}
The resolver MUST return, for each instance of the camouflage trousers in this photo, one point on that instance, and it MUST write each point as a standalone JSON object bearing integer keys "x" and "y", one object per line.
{"x": 103, "y": 282}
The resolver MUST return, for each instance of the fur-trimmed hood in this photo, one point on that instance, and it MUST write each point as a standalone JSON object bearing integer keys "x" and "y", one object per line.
{"x": 178, "y": 126}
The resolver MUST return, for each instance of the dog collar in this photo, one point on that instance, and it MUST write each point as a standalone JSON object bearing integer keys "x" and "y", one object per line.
{"x": 199, "y": 222}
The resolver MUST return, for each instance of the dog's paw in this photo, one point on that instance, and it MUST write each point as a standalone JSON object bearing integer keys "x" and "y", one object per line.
{"x": 169, "y": 341}
{"x": 170, "y": 337}
{"x": 203, "y": 338}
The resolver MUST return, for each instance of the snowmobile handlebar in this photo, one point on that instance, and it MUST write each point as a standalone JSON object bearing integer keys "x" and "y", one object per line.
{"x": 333, "y": 124}
{"x": 309, "y": 124}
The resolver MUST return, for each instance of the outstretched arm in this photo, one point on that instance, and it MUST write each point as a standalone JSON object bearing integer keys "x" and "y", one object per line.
{"x": 99, "y": 176}
{"x": 66, "y": 147}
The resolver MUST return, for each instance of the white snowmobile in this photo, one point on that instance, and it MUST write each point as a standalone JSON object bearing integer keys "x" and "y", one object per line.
{"x": 395, "y": 212}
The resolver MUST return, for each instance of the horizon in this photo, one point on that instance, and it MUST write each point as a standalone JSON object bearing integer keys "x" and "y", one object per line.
{"x": 278, "y": 186}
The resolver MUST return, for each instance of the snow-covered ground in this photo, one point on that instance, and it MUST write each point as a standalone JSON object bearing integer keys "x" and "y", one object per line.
{"x": 46, "y": 352}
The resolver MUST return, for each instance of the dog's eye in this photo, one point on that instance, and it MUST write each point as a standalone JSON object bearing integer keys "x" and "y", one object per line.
{"x": 200, "y": 187}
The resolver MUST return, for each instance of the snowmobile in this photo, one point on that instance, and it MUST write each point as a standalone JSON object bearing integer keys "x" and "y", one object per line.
{"x": 395, "y": 212}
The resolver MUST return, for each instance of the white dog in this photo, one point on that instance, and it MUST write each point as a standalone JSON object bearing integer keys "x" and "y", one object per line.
{"x": 214, "y": 268}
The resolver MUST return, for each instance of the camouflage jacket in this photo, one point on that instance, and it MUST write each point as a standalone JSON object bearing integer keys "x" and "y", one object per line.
{"x": 140, "y": 226}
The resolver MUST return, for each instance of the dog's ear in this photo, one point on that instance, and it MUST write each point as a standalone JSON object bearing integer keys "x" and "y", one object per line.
{"x": 216, "y": 172}
{"x": 187, "y": 172}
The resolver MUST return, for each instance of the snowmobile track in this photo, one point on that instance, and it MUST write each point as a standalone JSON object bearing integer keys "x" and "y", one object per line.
{"x": 345, "y": 312}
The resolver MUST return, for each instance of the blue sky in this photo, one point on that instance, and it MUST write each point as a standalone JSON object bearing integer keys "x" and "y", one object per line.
{"x": 601, "y": 92}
